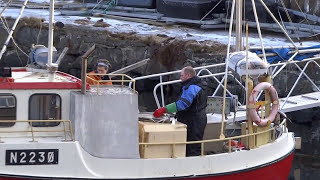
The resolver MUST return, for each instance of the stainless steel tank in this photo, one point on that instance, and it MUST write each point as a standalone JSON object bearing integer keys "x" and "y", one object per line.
{"x": 106, "y": 124}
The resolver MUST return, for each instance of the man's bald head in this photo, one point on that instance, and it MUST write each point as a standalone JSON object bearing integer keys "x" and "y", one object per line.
{"x": 187, "y": 73}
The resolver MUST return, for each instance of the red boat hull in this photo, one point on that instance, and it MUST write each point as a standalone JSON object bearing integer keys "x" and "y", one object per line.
{"x": 278, "y": 170}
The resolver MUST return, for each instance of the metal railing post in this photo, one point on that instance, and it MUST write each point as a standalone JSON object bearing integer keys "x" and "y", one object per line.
{"x": 64, "y": 129}
{"x": 31, "y": 126}
{"x": 295, "y": 84}
{"x": 162, "y": 95}
{"x": 84, "y": 69}
{"x": 202, "y": 148}
{"x": 308, "y": 76}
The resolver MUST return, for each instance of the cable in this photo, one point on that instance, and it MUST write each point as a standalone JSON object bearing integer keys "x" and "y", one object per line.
{"x": 91, "y": 11}
{"x": 4, "y": 8}
{"x": 210, "y": 11}
{"x": 40, "y": 28}
{"x": 289, "y": 18}
{"x": 14, "y": 42}
{"x": 305, "y": 16}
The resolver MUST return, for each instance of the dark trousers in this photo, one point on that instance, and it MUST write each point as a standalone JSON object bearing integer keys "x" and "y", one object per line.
{"x": 195, "y": 131}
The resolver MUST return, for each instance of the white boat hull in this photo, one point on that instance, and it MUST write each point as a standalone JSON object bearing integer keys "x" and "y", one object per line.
{"x": 74, "y": 162}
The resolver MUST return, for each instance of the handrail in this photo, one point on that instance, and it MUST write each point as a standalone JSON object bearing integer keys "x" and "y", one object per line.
{"x": 176, "y": 81}
{"x": 160, "y": 75}
{"x": 299, "y": 77}
{"x": 204, "y": 68}
{"x": 122, "y": 81}
{"x": 283, "y": 124}
{"x": 295, "y": 62}
{"x": 32, "y": 131}
{"x": 175, "y": 72}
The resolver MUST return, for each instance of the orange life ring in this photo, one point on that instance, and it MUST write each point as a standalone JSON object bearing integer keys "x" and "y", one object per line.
{"x": 252, "y": 104}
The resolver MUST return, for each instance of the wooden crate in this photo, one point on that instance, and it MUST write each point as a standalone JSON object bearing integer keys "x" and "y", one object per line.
{"x": 151, "y": 132}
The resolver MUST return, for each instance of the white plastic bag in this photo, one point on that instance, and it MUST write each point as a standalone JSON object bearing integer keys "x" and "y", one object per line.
{"x": 256, "y": 65}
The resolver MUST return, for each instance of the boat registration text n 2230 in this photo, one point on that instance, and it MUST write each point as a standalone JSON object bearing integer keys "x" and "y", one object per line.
{"x": 32, "y": 157}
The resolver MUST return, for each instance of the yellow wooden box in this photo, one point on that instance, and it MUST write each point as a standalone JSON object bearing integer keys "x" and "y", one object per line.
{"x": 150, "y": 132}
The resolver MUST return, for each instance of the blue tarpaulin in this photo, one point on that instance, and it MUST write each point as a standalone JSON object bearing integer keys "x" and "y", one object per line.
{"x": 284, "y": 55}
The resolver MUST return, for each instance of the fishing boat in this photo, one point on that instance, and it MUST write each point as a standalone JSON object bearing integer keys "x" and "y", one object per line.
{"x": 56, "y": 126}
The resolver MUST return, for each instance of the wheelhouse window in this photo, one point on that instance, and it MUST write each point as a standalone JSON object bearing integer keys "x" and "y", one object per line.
{"x": 7, "y": 109}
{"x": 45, "y": 107}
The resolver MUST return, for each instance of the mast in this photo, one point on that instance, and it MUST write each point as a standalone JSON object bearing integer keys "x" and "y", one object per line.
{"x": 50, "y": 38}
{"x": 51, "y": 67}
{"x": 239, "y": 10}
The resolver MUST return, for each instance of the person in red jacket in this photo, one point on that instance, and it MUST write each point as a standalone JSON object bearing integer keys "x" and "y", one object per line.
{"x": 190, "y": 108}
{"x": 102, "y": 68}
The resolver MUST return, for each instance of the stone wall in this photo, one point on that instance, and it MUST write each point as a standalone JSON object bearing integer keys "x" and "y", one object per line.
{"x": 121, "y": 49}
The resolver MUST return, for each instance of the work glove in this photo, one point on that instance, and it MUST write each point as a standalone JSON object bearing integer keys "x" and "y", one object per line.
{"x": 159, "y": 112}
{"x": 170, "y": 108}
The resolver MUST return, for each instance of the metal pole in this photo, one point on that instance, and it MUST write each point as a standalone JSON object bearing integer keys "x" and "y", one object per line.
{"x": 84, "y": 69}
{"x": 4, "y": 8}
{"x": 4, "y": 48}
{"x": 219, "y": 82}
{"x": 63, "y": 53}
{"x": 275, "y": 19}
{"x": 308, "y": 76}
{"x": 161, "y": 89}
{"x": 50, "y": 37}
{"x": 83, "y": 76}
{"x": 295, "y": 84}
{"x": 210, "y": 11}
{"x": 176, "y": 81}
{"x": 284, "y": 65}
{"x": 239, "y": 4}
{"x": 226, "y": 73}
{"x": 259, "y": 30}
{"x": 131, "y": 67}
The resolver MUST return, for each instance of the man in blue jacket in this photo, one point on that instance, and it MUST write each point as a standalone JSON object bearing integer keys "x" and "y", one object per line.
{"x": 190, "y": 108}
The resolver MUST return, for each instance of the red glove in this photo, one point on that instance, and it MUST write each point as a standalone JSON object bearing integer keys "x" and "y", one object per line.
{"x": 159, "y": 112}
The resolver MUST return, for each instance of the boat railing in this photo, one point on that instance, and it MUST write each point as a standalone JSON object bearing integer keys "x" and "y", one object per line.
{"x": 162, "y": 75}
{"x": 302, "y": 73}
{"x": 214, "y": 76}
{"x": 272, "y": 130}
{"x": 277, "y": 68}
{"x": 124, "y": 79}
{"x": 66, "y": 130}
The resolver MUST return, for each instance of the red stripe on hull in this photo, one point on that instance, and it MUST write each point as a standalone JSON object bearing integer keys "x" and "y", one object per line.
{"x": 276, "y": 171}
{"x": 279, "y": 170}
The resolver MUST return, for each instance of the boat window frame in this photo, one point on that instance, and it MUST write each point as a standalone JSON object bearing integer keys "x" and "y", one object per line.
{"x": 9, "y": 124}
{"x": 50, "y": 124}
